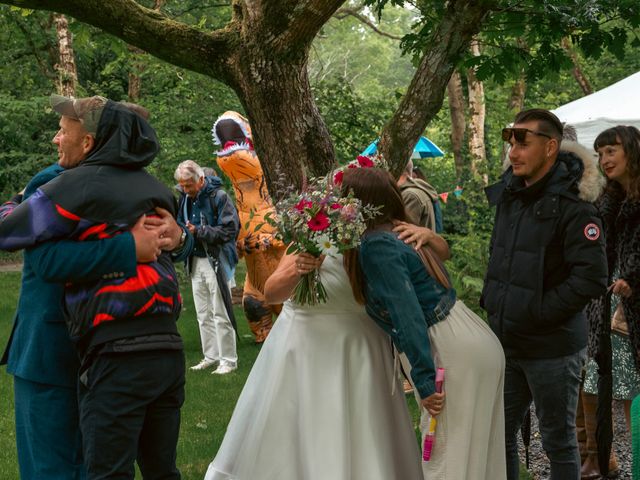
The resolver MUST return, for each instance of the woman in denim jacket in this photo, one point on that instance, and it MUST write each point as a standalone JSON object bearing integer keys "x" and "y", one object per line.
{"x": 408, "y": 293}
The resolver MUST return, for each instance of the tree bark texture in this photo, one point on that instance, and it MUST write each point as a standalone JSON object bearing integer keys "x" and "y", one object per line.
{"x": 138, "y": 64}
{"x": 425, "y": 94}
{"x": 518, "y": 91}
{"x": 578, "y": 74}
{"x": 458, "y": 123}
{"x": 66, "y": 66}
{"x": 262, "y": 54}
{"x": 477, "y": 150}
{"x": 137, "y": 68}
{"x": 289, "y": 134}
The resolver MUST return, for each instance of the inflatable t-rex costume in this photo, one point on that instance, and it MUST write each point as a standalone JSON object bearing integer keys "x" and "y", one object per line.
{"x": 260, "y": 249}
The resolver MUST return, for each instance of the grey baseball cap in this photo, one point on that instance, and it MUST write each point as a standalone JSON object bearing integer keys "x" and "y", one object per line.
{"x": 86, "y": 110}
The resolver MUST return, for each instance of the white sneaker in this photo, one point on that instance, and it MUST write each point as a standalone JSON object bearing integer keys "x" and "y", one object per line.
{"x": 204, "y": 364}
{"x": 224, "y": 369}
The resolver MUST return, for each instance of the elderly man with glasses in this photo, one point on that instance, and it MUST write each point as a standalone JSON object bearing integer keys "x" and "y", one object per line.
{"x": 547, "y": 260}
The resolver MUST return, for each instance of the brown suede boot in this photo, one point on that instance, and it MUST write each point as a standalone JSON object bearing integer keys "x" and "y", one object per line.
{"x": 590, "y": 470}
{"x": 580, "y": 431}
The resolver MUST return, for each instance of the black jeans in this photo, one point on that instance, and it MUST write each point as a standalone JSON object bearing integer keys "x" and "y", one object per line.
{"x": 553, "y": 385}
{"x": 130, "y": 410}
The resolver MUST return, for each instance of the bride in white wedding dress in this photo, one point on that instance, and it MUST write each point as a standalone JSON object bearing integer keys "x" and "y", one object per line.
{"x": 320, "y": 402}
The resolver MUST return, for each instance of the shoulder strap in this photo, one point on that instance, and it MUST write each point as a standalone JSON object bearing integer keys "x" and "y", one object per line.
{"x": 213, "y": 199}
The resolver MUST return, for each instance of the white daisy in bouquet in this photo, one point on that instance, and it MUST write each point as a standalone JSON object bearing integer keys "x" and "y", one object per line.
{"x": 321, "y": 221}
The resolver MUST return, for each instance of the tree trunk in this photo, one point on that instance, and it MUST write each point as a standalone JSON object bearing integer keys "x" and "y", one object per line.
{"x": 516, "y": 100}
{"x": 138, "y": 64}
{"x": 137, "y": 67}
{"x": 458, "y": 125}
{"x": 289, "y": 134}
{"x": 66, "y": 66}
{"x": 578, "y": 74}
{"x": 477, "y": 150}
{"x": 516, "y": 104}
{"x": 450, "y": 39}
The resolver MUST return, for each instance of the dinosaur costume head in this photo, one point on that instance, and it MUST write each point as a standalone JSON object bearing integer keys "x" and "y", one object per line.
{"x": 237, "y": 158}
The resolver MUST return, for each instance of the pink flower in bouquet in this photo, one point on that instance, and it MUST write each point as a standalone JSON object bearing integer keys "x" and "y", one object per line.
{"x": 337, "y": 178}
{"x": 365, "y": 162}
{"x": 349, "y": 212}
{"x": 319, "y": 222}
{"x": 302, "y": 204}
{"x": 335, "y": 206}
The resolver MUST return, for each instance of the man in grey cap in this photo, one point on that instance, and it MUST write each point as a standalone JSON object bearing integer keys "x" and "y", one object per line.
{"x": 39, "y": 353}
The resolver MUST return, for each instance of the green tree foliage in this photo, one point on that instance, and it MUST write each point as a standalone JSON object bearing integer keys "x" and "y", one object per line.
{"x": 358, "y": 77}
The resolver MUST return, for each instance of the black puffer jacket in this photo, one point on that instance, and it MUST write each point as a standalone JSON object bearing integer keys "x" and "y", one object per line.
{"x": 547, "y": 261}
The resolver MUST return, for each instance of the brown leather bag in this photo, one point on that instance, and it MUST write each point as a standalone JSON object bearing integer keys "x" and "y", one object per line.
{"x": 619, "y": 322}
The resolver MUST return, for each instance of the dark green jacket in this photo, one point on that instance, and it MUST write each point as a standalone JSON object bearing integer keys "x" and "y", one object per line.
{"x": 39, "y": 348}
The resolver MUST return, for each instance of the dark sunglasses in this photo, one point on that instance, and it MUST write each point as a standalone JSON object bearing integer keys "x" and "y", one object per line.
{"x": 519, "y": 134}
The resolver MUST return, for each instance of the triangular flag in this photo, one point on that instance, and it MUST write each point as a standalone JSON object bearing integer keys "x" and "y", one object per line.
{"x": 444, "y": 196}
{"x": 458, "y": 191}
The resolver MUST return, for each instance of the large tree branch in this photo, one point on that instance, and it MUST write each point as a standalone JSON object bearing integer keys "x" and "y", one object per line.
{"x": 423, "y": 99}
{"x": 172, "y": 41}
{"x": 352, "y": 12}
{"x": 293, "y": 24}
{"x": 578, "y": 74}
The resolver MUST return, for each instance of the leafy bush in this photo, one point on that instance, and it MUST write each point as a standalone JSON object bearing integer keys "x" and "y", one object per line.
{"x": 468, "y": 264}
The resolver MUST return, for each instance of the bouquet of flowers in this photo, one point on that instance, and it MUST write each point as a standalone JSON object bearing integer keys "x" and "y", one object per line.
{"x": 319, "y": 221}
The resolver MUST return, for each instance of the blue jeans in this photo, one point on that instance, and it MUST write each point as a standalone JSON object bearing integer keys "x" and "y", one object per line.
{"x": 553, "y": 385}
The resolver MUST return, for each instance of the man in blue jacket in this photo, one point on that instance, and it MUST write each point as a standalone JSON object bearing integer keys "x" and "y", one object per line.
{"x": 212, "y": 219}
{"x": 40, "y": 353}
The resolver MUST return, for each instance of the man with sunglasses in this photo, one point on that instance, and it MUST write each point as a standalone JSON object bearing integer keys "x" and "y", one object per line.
{"x": 547, "y": 260}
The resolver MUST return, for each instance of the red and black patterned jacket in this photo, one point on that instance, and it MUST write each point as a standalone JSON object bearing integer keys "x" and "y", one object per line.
{"x": 102, "y": 197}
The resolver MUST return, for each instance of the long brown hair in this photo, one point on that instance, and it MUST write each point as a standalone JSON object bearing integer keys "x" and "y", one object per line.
{"x": 377, "y": 188}
{"x": 629, "y": 138}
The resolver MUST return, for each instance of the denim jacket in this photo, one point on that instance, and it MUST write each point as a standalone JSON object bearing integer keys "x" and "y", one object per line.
{"x": 404, "y": 300}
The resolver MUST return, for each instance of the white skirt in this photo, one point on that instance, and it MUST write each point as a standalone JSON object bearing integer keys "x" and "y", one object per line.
{"x": 318, "y": 405}
{"x": 469, "y": 443}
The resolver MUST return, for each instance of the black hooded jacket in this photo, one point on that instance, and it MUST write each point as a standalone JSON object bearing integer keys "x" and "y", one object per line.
{"x": 102, "y": 197}
{"x": 547, "y": 260}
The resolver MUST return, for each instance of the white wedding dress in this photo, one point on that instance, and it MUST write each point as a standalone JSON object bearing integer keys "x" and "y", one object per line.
{"x": 318, "y": 403}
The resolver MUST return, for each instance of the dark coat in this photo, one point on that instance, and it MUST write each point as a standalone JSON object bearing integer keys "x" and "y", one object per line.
{"x": 621, "y": 218}
{"x": 547, "y": 261}
{"x": 39, "y": 348}
{"x": 101, "y": 198}
{"x": 219, "y": 231}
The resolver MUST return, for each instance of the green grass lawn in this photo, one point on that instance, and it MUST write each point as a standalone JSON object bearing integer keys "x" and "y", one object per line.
{"x": 209, "y": 398}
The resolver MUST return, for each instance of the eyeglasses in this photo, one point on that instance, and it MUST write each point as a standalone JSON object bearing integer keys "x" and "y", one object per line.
{"x": 519, "y": 134}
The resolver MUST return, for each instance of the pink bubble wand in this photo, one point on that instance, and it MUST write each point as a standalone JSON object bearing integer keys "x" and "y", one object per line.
{"x": 430, "y": 437}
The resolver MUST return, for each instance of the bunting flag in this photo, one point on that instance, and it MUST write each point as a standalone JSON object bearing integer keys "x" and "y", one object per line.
{"x": 444, "y": 196}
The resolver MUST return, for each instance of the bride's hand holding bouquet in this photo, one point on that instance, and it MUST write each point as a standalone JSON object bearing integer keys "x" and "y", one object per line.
{"x": 318, "y": 221}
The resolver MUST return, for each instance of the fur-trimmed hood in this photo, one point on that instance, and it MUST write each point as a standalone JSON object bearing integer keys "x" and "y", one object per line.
{"x": 591, "y": 183}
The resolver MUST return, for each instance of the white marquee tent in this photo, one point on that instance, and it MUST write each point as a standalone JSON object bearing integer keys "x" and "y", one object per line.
{"x": 618, "y": 104}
